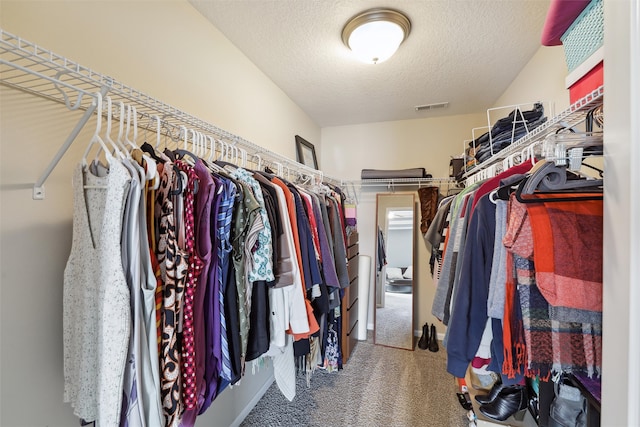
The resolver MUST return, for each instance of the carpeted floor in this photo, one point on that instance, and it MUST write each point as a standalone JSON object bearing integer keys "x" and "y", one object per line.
{"x": 394, "y": 321}
{"x": 379, "y": 386}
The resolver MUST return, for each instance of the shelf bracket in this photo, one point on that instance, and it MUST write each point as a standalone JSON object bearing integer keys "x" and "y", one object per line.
{"x": 38, "y": 187}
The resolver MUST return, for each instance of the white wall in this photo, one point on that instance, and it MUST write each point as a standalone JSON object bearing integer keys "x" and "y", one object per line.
{"x": 542, "y": 79}
{"x": 401, "y": 144}
{"x": 166, "y": 49}
{"x": 621, "y": 299}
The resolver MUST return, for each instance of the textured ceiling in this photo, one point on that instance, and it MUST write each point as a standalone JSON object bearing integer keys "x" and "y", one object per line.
{"x": 462, "y": 52}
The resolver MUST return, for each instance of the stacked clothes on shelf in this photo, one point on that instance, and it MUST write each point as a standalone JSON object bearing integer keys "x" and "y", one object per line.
{"x": 506, "y": 130}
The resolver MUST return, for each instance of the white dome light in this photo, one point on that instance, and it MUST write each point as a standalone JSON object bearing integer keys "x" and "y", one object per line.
{"x": 375, "y": 35}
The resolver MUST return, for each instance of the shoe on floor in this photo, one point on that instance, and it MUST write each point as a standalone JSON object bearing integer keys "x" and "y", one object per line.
{"x": 423, "y": 343}
{"x": 433, "y": 339}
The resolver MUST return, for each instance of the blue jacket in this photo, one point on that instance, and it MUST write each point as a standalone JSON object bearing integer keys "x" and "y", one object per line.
{"x": 469, "y": 314}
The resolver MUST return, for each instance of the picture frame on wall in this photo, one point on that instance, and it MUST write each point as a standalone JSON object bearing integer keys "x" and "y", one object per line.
{"x": 306, "y": 152}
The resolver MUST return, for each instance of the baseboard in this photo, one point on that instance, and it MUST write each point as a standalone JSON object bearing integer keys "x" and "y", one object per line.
{"x": 254, "y": 401}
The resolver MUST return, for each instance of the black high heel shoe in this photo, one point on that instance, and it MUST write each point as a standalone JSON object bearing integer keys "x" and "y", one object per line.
{"x": 423, "y": 343}
{"x": 510, "y": 400}
{"x": 483, "y": 399}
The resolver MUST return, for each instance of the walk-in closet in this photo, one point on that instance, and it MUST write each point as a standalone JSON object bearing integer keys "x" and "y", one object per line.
{"x": 222, "y": 214}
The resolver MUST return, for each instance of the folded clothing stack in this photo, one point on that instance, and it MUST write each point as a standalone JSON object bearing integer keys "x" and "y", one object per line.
{"x": 394, "y": 173}
{"x": 506, "y": 130}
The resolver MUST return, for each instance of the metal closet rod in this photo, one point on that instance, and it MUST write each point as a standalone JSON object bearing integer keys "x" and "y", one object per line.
{"x": 30, "y": 68}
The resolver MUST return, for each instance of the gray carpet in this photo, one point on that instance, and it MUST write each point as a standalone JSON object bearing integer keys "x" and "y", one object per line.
{"x": 394, "y": 321}
{"x": 379, "y": 386}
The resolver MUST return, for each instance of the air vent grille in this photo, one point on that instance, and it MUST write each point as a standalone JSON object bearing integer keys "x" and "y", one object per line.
{"x": 434, "y": 106}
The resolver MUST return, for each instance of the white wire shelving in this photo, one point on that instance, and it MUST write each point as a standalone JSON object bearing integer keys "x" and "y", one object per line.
{"x": 567, "y": 119}
{"x": 402, "y": 182}
{"x": 33, "y": 69}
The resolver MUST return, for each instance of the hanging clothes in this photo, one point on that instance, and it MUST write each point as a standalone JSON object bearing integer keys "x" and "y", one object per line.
{"x": 536, "y": 320}
{"x": 96, "y": 299}
{"x": 173, "y": 265}
{"x": 219, "y": 265}
{"x": 202, "y": 249}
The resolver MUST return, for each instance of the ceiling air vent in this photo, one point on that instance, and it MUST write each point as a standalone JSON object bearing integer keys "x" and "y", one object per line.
{"x": 434, "y": 106}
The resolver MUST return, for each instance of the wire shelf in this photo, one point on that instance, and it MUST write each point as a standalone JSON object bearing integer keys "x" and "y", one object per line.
{"x": 569, "y": 118}
{"x": 30, "y": 68}
{"x": 376, "y": 182}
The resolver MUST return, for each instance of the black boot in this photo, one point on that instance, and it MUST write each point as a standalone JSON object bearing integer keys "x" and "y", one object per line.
{"x": 423, "y": 343}
{"x": 483, "y": 399}
{"x": 509, "y": 401}
{"x": 433, "y": 339}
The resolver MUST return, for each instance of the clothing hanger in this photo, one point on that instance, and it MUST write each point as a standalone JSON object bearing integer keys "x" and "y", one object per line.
{"x": 184, "y": 154}
{"x": 95, "y": 139}
{"x": 117, "y": 150}
{"x": 195, "y": 143}
{"x": 225, "y": 155}
{"x": 236, "y": 152}
{"x": 129, "y": 144}
{"x": 202, "y": 144}
{"x": 552, "y": 179}
{"x": 133, "y": 151}
{"x": 189, "y": 157}
{"x": 158, "y": 131}
{"x": 212, "y": 160}
{"x": 149, "y": 148}
{"x": 243, "y": 158}
{"x": 521, "y": 199}
{"x": 148, "y": 160}
{"x": 212, "y": 147}
{"x": 120, "y": 138}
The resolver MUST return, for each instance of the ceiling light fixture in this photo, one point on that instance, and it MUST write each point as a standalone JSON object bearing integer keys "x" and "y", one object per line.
{"x": 375, "y": 35}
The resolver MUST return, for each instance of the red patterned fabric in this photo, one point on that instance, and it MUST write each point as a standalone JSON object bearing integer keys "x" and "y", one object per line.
{"x": 551, "y": 346}
{"x": 567, "y": 240}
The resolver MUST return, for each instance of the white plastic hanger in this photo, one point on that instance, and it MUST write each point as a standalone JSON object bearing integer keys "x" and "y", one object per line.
{"x": 243, "y": 153}
{"x": 157, "y": 147}
{"x": 117, "y": 150}
{"x": 223, "y": 150}
{"x": 197, "y": 144}
{"x": 234, "y": 151}
{"x": 120, "y": 139}
{"x": 150, "y": 165}
{"x": 212, "y": 148}
{"x": 129, "y": 144}
{"x": 202, "y": 145}
{"x": 95, "y": 139}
